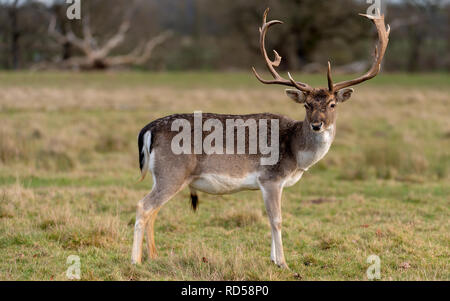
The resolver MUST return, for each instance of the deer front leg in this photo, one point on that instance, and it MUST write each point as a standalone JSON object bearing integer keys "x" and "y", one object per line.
{"x": 272, "y": 200}
{"x": 272, "y": 250}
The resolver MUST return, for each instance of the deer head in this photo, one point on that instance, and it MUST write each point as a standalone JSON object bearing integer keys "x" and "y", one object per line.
{"x": 321, "y": 103}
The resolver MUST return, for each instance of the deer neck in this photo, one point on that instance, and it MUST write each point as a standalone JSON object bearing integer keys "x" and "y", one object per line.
{"x": 309, "y": 146}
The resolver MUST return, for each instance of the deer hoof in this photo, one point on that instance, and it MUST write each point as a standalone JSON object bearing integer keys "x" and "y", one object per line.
{"x": 283, "y": 265}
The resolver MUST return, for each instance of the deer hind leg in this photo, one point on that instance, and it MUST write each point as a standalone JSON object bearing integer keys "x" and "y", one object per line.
{"x": 272, "y": 200}
{"x": 151, "y": 247}
{"x": 146, "y": 212}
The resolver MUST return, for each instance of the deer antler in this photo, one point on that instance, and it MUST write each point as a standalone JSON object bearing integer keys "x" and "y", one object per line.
{"x": 276, "y": 62}
{"x": 380, "y": 49}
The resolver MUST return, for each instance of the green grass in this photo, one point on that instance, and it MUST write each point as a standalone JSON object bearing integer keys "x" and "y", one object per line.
{"x": 198, "y": 79}
{"x": 69, "y": 171}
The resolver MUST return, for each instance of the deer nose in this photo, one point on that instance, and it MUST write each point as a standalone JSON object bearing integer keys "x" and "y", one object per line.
{"x": 316, "y": 126}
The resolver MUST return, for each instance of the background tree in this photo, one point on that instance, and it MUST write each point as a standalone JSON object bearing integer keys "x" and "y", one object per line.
{"x": 222, "y": 34}
{"x": 95, "y": 52}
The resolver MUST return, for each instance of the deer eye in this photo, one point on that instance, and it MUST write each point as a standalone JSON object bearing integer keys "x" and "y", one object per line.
{"x": 332, "y": 105}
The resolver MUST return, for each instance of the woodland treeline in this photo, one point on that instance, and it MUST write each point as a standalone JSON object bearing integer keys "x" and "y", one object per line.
{"x": 219, "y": 34}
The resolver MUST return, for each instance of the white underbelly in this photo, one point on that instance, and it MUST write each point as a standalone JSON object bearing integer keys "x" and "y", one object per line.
{"x": 224, "y": 184}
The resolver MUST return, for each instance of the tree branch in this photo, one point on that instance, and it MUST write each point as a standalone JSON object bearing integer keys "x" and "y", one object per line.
{"x": 141, "y": 54}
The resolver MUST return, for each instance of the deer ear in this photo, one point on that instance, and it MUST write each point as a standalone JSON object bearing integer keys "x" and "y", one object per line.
{"x": 344, "y": 94}
{"x": 296, "y": 95}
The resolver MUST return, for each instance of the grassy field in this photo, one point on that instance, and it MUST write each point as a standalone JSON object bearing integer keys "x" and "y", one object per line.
{"x": 69, "y": 171}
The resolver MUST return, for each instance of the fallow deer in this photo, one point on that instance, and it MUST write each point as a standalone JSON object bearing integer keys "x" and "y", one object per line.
{"x": 301, "y": 145}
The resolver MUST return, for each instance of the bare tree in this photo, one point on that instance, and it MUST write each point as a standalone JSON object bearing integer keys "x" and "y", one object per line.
{"x": 96, "y": 55}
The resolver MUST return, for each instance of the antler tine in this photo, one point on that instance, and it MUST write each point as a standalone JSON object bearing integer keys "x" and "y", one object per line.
{"x": 298, "y": 85}
{"x": 330, "y": 80}
{"x": 380, "y": 49}
{"x": 277, "y": 60}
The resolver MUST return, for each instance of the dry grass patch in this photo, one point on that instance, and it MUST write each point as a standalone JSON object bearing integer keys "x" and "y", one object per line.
{"x": 238, "y": 218}
{"x": 69, "y": 171}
